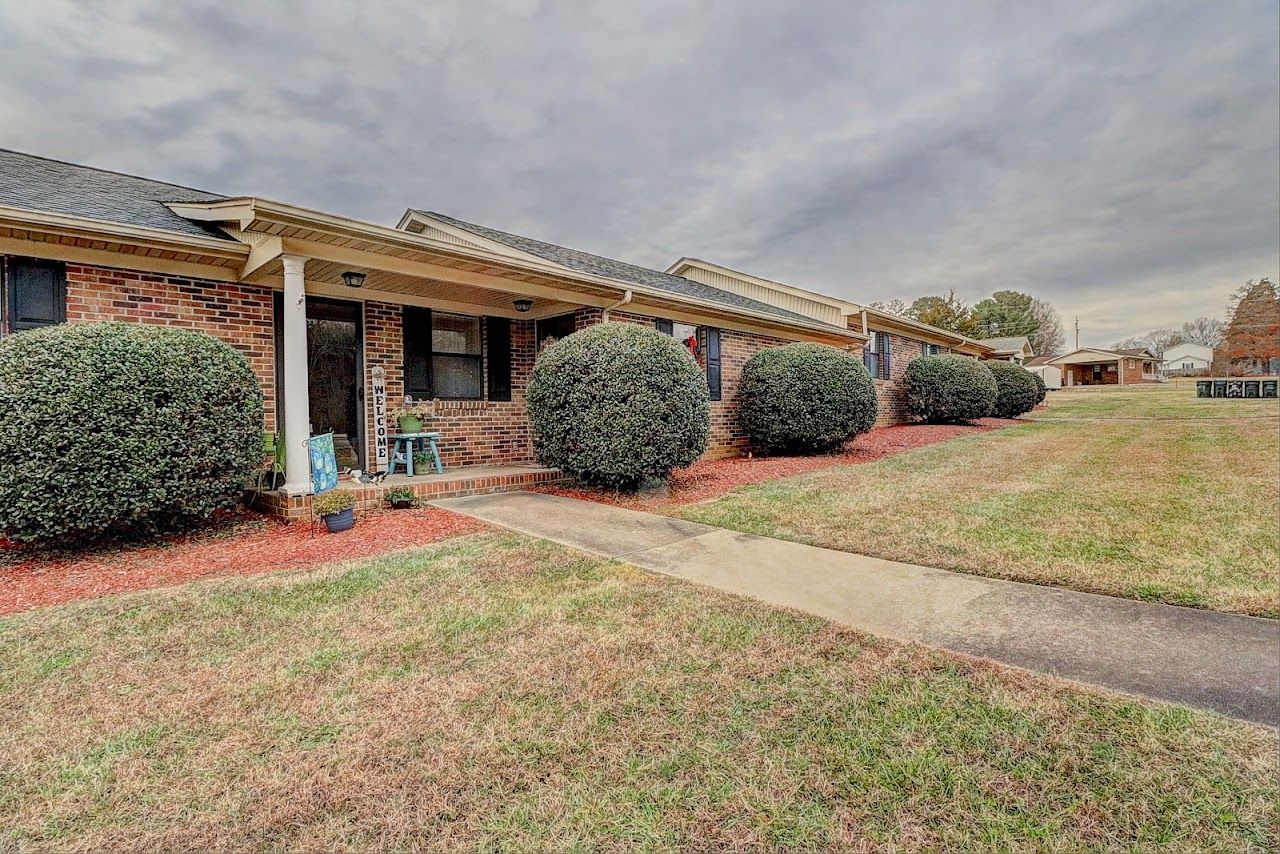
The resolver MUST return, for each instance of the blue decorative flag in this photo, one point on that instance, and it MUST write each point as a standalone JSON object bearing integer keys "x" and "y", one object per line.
{"x": 324, "y": 463}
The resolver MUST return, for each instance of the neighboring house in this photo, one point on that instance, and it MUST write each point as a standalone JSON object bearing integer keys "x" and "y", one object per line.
{"x": 1041, "y": 367}
{"x": 1187, "y": 360}
{"x": 447, "y": 311}
{"x": 892, "y": 341}
{"x": 1095, "y": 366}
{"x": 1016, "y": 349}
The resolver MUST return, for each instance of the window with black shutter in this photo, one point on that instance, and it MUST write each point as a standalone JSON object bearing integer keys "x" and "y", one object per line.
{"x": 713, "y": 362}
{"x": 663, "y": 325}
{"x": 442, "y": 355}
{"x": 35, "y": 293}
{"x": 498, "y": 341}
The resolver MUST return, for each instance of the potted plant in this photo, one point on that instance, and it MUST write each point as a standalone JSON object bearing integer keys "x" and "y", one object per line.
{"x": 336, "y": 508}
{"x": 411, "y": 415}
{"x": 401, "y": 497}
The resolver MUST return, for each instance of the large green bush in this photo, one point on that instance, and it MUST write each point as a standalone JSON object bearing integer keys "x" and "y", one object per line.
{"x": 1016, "y": 390}
{"x": 805, "y": 398}
{"x": 617, "y": 404}
{"x": 117, "y": 428}
{"x": 1042, "y": 390}
{"x": 949, "y": 389}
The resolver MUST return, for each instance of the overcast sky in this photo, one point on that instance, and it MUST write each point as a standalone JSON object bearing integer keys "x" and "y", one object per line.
{"x": 1121, "y": 160}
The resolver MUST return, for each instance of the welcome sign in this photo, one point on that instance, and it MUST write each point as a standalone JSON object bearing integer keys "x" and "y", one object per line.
{"x": 379, "y": 389}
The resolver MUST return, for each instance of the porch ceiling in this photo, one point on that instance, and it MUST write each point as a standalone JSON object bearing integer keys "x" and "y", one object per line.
{"x": 325, "y": 279}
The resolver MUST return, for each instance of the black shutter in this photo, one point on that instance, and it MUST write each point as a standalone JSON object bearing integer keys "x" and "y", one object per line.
{"x": 37, "y": 293}
{"x": 498, "y": 337}
{"x": 713, "y": 362}
{"x": 417, "y": 351}
{"x": 884, "y": 355}
{"x": 663, "y": 325}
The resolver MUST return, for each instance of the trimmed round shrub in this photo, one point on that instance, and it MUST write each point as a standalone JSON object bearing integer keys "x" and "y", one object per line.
{"x": 949, "y": 389}
{"x": 116, "y": 428}
{"x": 805, "y": 398}
{"x": 617, "y": 404}
{"x": 1016, "y": 390}
{"x": 1042, "y": 390}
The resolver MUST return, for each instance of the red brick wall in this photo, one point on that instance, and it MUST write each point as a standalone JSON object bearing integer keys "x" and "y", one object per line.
{"x": 476, "y": 432}
{"x": 891, "y": 394}
{"x": 239, "y": 314}
{"x": 1133, "y": 375}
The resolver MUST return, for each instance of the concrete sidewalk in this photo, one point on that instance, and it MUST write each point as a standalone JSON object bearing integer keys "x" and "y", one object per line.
{"x": 1222, "y": 662}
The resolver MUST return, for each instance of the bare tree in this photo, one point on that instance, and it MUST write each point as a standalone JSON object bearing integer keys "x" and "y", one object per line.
{"x": 1048, "y": 338}
{"x": 892, "y": 306}
{"x": 1157, "y": 341}
{"x": 1204, "y": 330}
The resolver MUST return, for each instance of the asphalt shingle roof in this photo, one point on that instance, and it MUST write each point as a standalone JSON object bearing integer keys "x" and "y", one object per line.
{"x": 585, "y": 262}
{"x": 51, "y": 186}
{"x": 1011, "y": 344}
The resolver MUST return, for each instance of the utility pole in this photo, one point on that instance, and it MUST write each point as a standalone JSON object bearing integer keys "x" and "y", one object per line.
{"x": 1077, "y": 332}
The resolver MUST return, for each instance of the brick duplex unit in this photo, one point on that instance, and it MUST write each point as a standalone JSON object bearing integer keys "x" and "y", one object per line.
{"x": 446, "y": 314}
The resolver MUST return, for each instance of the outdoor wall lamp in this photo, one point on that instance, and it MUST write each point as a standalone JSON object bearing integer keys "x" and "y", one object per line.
{"x": 523, "y": 305}
{"x": 352, "y": 279}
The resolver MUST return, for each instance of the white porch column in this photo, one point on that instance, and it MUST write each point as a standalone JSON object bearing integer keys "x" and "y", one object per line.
{"x": 297, "y": 403}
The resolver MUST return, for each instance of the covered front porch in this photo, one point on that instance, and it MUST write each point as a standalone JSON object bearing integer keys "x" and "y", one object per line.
{"x": 455, "y": 483}
{"x": 1101, "y": 372}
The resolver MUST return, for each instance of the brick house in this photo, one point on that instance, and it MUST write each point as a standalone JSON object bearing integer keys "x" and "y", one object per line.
{"x": 891, "y": 341}
{"x": 1015, "y": 348}
{"x": 328, "y": 308}
{"x": 1095, "y": 366}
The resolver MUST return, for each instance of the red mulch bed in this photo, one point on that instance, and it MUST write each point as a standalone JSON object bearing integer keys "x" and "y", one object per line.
{"x": 245, "y": 545}
{"x": 710, "y": 479}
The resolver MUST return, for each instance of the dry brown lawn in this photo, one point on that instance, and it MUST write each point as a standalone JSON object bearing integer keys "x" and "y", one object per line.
{"x": 494, "y": 692}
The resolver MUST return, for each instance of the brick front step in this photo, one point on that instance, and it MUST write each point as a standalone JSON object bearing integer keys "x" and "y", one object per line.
{"x": 466, "y": 480}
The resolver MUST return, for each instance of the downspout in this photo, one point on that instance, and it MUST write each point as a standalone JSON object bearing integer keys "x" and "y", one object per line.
{"x": 604, "y": 312}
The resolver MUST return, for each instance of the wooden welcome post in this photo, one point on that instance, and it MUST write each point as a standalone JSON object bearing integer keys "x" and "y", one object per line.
{"x": 380, "y": 455}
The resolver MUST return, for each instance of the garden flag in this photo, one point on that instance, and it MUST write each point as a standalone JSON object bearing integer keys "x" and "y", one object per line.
{"x": 324, "y": 463}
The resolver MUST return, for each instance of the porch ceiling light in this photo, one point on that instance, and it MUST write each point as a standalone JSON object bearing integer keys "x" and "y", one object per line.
{"x": 523, "y": 305}
{"x": 353, "y": 279}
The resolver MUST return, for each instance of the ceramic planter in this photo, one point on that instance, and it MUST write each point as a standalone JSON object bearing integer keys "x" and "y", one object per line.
{"x": 410, "y": 424}
{"x": 340, "y": 521}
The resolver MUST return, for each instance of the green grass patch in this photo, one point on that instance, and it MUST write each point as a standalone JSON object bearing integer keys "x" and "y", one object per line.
{"x": 1181, "y": 512}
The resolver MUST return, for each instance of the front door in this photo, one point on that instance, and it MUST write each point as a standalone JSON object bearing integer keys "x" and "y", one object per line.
{"x": 334, "y": 368}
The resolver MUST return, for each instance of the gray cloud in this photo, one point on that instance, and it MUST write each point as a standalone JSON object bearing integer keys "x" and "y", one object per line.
{"x": 1120, "y": 160}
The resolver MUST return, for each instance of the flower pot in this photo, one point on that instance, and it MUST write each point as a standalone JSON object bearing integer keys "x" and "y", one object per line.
{"x": 340, "y": 521}
{"x": 410, "y": 424}
{"x": 402, "y": 503}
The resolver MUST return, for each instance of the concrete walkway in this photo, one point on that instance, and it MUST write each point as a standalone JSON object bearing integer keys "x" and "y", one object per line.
{"x": 1222, "y": 662}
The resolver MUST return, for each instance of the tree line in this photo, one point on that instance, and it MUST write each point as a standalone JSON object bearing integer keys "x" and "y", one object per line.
{"x": 1004, "y": 314}
{"x": 1247, "y": 342}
